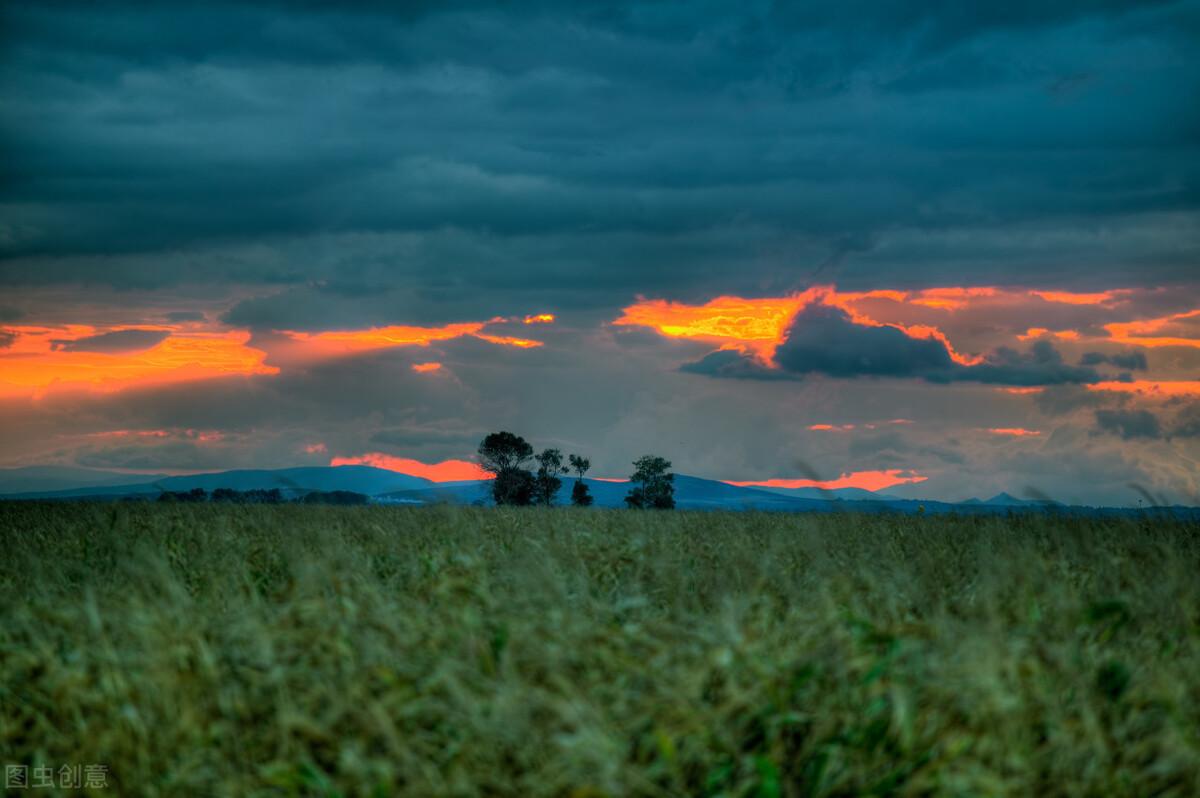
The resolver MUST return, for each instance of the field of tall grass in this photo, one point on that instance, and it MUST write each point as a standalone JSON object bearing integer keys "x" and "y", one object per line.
{"x": 296, "y": 650}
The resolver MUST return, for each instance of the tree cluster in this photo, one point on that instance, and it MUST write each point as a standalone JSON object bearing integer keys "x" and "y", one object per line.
{"x": 525, "y": 478}
{"x": 260, "y": 496}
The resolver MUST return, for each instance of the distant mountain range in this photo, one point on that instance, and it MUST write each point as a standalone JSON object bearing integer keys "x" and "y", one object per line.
{"x": 53, "y": 482}
{"x": 390, "y": 487}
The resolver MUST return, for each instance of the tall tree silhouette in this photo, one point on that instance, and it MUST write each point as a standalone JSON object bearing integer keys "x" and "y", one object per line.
{"x": 580, "y": 496}
{"x": 653, "y": 484}
{"x": 547, "y": 483}
{"x": 506, "y": 455}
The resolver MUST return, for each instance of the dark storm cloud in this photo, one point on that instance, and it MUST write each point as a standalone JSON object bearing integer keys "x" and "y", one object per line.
{"x": 1141, "y": 423}
{"x": 173, "y": 455}
{"x": 823, "y": 340}
{"x": 869, "y": 140}
{"x": 1187, "y": 422}
{"x": 112, "y": 342}
{"x": 1132, "y": 360}
{"x": 735, "y": 365}
{"x": 1130, "y": 424}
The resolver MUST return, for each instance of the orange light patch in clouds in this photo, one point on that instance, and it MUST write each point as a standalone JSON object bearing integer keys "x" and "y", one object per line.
{"x": 37, "y": 362}
{"x": 1037, "y": 332}
{"x": 130, "y": 433}
{"x": 349, "y": 341}
{"x": 866, "y": 480}
{"x": 950, "y": 298}
{"x": 316, "y": 448}
{"x": 1023, "y": 391}
{"x": 425, "y": 368}
{"x": 508, "y": 340}
{"x": 1015, "y": 432}
{"x": 342, "y": 342}
{"x": 540, "y": 318}
{"x": 831, "y": 427}
{"x": 445, "y": 471}
{"x": 757, "y": 325}
{"x": 1072, "y": 298}
{"x": 1154, "y": 389}
{"x": 1165, "y": 331}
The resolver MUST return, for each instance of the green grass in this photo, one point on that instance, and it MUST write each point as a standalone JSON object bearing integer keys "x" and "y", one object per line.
{"x": 225, "y": 650}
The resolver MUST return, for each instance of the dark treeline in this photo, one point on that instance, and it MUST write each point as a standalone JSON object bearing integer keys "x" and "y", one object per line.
{"x": 259, "y": 496}
{"x": 525, "y": 478}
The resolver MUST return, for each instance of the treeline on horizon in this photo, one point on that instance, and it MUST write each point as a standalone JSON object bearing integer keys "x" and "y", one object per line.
{"x": 261, "y": 496}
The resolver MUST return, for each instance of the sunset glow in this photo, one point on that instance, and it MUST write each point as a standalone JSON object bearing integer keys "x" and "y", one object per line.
{"x": 508, "y": 340}
{"x": 540, "y": 318}
{"x": 866, "y": 480}
{"x": 425, "y": 368}
{"x": 1071, "y": 298}
{"x": 950, "y": 298}
{"x": 1179, "y": 329}
{"x": 1014, "y": 432}
{"x": 757, "y": 325}
{"x": 445, "y": 471}
{"x": 1154, "y": 389}
{"x": 37, "y": 361}
{"x": 334, "y": 342}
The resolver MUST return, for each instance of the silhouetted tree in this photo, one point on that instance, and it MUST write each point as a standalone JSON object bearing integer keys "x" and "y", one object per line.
{"x": 580, "y": 496}
{"x": 653, "y": 484}
{"x": 505, "y": 455}
{"x": 547, "y": 483}
{"x": 514, "y": 487}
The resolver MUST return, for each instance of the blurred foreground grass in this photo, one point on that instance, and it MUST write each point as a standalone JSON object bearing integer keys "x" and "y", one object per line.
{"x": 296, "y": 650}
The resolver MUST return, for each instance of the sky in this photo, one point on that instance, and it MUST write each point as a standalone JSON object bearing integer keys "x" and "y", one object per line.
{"x": 943, "y": 250}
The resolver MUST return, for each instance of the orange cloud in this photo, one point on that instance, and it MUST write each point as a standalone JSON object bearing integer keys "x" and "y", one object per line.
{"x": 316, "y": 448}
{"x": 1023, "y": 390}
{"x": 37, "y": 360}
{"x": 866, "y": 480}
{"x": 343, "y": 342}
{"x": 1152, "y": 389}
{"x": 755, "y": 325}
{"x": 1171, "y": 330}
{"x": 130, "y": 433}
{"x": 425, "y": 368}
{"x": 831, "y": 427}
{"x": 540, "y": 318}
{"x": 334, "y": 342}
{"x": 1014, "y": 432}
{"x": 1072, "y": 298}
{"x": 507, "y": 340}
{"x": 1038, "y": 332}
{"x": 445, "y": 471}
{"x": 950, "y": 298}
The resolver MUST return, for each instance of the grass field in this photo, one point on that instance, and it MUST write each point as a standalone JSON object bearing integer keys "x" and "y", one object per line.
{"x": 294, "y": 650}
